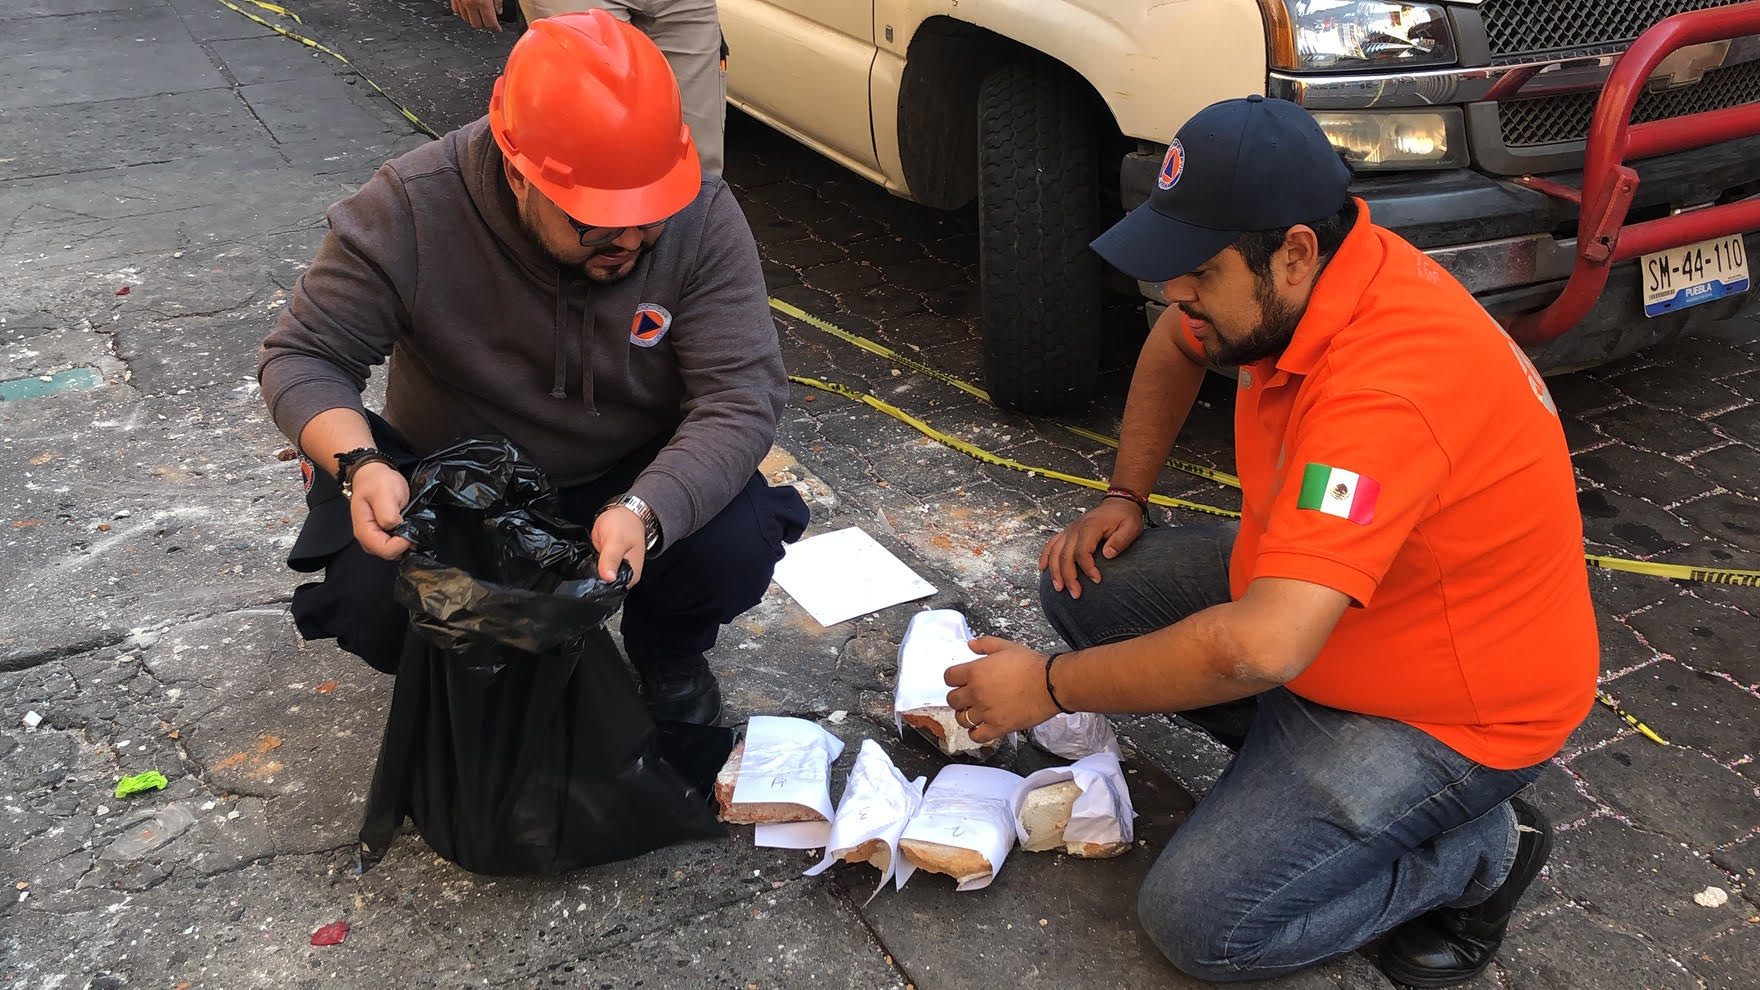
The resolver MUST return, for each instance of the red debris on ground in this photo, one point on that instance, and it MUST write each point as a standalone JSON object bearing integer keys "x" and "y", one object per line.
{"x": 122, "y": 291}
{"x": 331, "y": 934}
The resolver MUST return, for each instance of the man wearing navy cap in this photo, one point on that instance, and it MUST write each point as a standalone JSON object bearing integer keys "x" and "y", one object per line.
{"x": 1397, "y": 634}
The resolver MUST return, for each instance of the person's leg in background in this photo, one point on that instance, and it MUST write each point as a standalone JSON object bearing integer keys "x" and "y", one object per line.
{"x": 688, "y": 33}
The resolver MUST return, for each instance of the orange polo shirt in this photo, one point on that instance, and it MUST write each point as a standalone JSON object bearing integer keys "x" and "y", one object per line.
{"x": 1404, "y": 451}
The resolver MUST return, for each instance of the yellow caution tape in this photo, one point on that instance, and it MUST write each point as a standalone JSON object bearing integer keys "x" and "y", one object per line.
{"x": 1643, "y": 730}
{"x": 1220, "y": 477}
{"x": 1675, "y": 572}
{"x": 875, "y": 348}
{"x": 275, "y": 8}
{"x": 333, "y": 53}
{"x": 978, "y": 453}
{"x": 881, "y": 350}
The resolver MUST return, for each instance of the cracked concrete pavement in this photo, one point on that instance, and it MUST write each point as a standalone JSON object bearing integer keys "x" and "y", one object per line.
{"x": 169, "y": 186}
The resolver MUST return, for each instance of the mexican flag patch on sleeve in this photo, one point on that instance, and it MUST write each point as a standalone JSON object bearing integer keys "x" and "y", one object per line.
{"x": 1337, "y": 492}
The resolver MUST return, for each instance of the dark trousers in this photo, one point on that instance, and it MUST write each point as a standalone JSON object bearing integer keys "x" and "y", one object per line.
{"x": 686, "y": 594}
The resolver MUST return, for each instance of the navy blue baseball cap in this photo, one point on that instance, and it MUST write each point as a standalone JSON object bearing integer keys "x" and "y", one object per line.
{"x": 1237, "y": 166}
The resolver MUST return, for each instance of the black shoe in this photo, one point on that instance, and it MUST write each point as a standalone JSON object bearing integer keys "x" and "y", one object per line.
{"x": 1452, "y": 945}
{"x": 681, "y": 690}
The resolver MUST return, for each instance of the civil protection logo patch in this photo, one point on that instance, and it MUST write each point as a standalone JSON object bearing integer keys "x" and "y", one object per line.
{"x": 650, "y": 324}
{"x": 1173, "y": 166}
{"x": 306, "y": 473}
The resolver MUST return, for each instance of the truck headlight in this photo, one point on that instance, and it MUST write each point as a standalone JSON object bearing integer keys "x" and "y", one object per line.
{"x": 1356, "y": 35}
{"x": 1393, "y": 139}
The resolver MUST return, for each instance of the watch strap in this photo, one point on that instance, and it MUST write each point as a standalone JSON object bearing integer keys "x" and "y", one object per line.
{"x": 643, "y": 511}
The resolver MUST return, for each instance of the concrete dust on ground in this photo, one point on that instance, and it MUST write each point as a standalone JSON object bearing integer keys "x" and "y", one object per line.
{"x": 168, "y": 188}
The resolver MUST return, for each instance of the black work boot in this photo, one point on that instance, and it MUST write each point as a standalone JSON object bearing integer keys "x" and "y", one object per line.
{"x": 680, "y": 689}
{"x": 1452, "y": 945}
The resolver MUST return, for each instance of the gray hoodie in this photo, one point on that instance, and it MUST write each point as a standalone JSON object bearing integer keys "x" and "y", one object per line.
{"x": 428, "y": 264}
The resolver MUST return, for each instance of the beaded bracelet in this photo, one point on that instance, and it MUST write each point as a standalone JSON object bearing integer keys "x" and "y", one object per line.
{"x": 1142, "y": 501}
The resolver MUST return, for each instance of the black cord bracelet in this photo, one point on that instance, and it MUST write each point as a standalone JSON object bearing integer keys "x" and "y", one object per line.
{"x": 1049, "y": 689}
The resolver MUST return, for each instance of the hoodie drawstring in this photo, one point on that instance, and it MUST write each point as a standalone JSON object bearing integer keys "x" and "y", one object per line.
{"x": 586, "y": 358}
{"x": 559, "y": 389}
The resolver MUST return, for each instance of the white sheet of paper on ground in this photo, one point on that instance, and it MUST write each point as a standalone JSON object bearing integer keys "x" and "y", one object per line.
{"x": 935, "y": 641}
{"x": 877, "y": 803}
{"x": 788, "y": 760}
{"x": 839, "y": 575}
{"x": 1102, "y": 814}
{"x": 1075, "y": 735}
{"x": 791, "y": 835}
{"x": 970, "y": 807}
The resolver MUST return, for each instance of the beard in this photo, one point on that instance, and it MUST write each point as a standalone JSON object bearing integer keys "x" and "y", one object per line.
{"x": 1277, "y": 326}
{"x": 605, "y": 276}
{"x": 579, "y": 265}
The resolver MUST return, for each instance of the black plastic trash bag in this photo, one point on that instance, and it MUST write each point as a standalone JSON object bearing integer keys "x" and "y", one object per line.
{"x": 517, "y": 741}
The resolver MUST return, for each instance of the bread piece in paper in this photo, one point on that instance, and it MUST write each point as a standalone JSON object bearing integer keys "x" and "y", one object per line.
{"x": 966, "y": 866}
{"x": 941, "y": 726}
{"x": 781, "y": 772}
{"x": 1083, "y": 809}
{"x": 1045, "y": 814}
{"x": 877, "y": 803}
{"x": 966, "y": 825}
{"x": 935, "y": 641}
{"x": 755, "y": 812}
{"x": 875, "y": 852}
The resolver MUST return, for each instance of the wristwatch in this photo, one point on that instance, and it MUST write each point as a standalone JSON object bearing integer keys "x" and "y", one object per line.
{"x": 650, "y": 522}
{"x": 350, "y": 461}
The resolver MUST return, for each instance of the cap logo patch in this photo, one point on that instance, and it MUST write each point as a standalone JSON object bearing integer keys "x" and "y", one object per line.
{"x": 1173, "y": 166}
{"x": 650, "y": 324}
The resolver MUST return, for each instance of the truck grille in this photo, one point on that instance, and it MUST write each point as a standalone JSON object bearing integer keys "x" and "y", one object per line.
{"x": 1557, "y": 119}
{"x": 1521, "y": 28}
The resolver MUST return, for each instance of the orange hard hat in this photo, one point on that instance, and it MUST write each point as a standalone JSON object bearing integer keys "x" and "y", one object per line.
{"x": 588, "y": 111}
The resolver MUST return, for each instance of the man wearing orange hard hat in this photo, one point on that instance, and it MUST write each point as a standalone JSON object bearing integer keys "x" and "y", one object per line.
{"x": 561, "y": 272}
{"x": 687, "y": 31}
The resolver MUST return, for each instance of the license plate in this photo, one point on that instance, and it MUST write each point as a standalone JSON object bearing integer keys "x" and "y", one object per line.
{"x": 1693, "y": 274}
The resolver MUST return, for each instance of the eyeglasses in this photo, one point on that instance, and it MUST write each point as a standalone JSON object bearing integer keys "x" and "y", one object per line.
{"x": 615, "y": 232}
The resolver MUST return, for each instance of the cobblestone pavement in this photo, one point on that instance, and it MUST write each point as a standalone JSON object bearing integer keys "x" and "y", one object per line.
{"x": 144, "y": 613}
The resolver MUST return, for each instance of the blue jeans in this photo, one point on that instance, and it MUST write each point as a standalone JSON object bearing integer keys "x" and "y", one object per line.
{"x": 1328, "y": 828}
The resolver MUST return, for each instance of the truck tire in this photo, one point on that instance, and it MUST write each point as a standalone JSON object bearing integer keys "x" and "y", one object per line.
{"x": 1038, "y": 207}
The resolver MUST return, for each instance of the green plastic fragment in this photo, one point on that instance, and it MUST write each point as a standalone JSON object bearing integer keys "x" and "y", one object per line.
{"x": 152, "y": 780}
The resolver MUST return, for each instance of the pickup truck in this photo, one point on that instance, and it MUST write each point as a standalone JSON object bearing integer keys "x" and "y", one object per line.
{"x": 1476, "y": 129}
